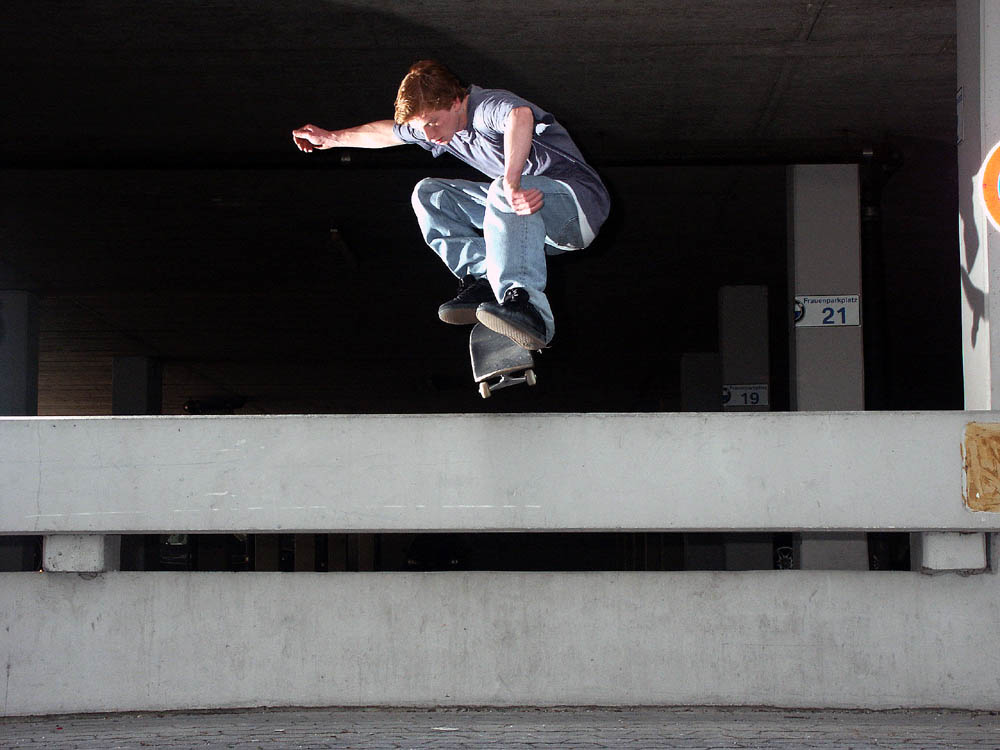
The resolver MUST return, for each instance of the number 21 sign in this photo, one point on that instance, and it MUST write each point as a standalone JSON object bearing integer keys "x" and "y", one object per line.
{"x": 828, "y": 311}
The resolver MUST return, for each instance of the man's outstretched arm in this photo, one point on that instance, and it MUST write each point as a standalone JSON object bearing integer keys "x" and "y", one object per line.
{"x": 370, "y": 135}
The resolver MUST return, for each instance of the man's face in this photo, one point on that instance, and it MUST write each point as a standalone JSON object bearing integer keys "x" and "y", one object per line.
{"x": 440, "y": 125}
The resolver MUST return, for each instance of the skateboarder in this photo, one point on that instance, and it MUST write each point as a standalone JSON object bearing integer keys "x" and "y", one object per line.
{"x": 543, "y": 199}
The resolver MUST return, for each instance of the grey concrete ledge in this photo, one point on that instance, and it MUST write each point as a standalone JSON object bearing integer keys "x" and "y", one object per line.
{"x": 838, "y": 471}
{"x": 155, "y": 641}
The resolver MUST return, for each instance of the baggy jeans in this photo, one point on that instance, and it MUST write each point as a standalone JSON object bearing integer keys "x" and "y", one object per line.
{"x": 474, "y": 230}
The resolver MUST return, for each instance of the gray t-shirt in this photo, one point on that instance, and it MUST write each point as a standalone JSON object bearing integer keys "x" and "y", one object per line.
{"x": 553, "y": 152}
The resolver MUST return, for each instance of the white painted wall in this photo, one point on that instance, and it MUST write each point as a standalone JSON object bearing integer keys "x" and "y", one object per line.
{"x": 978, "y": 62}
{"x": 153, "y": 641}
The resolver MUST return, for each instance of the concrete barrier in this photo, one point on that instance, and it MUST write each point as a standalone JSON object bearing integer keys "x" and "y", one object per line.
{"x": 154, "y": 641}
{"x": 637, "y": 472}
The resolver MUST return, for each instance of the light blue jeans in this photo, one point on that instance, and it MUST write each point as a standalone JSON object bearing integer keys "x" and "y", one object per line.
{"x": 474, "y": 230}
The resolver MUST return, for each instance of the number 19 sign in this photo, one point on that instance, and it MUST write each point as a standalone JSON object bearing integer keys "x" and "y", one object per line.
{"x": 828, "y": 311}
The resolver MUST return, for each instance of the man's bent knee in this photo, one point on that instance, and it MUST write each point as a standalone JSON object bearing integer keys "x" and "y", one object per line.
{"x": 422, "y": 192}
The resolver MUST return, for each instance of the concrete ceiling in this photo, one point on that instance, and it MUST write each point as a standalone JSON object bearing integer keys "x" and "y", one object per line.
{"x": 184, "y": 82}
{"x": 151, "y": 195}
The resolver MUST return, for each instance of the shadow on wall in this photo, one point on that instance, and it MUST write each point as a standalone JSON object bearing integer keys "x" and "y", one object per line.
{"x": 970, "y": 236}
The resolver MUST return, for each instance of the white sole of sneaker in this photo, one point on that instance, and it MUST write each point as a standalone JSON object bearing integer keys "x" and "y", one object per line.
{"x": 520, "y": 337}
{"x": 459, "y": 317}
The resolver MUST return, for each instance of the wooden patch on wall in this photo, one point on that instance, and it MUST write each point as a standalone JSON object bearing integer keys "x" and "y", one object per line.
{"x": 982, "y": 467}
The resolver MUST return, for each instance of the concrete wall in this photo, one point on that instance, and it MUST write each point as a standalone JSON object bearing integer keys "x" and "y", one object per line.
{"x": 153, "y": 641}
{"x": 680, "y": 472}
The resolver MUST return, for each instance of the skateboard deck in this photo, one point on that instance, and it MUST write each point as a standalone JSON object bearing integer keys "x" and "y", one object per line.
{"x": 497, "y": 362}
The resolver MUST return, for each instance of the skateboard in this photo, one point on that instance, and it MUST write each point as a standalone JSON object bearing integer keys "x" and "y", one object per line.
{"x": 497, "y": 362}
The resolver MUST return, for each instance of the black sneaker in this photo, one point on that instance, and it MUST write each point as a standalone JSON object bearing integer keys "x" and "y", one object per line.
{"x": 516, "y": 318}
{"x": 472, "y": 292}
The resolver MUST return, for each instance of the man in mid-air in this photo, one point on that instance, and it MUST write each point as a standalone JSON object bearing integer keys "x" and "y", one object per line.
{"x": 544, "y": 198}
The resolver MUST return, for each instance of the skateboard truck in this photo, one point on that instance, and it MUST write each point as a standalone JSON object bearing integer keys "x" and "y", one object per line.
{"x": 506, "y": 380}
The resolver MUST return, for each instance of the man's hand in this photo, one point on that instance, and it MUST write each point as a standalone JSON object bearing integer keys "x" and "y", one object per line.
{"x": 310, "y": 137}
{"x": 524, "y": 202}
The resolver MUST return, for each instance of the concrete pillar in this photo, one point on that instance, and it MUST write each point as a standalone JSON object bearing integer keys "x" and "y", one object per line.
{"x": 949, "y": 552}
{"x": 18, "y": 354}
{"x": 136, "y": 386}
{"x": 81, "y": 553}
{"x": 824, "y": 261}
{"x": 978, "y": 105}
{"x": 827, "y": 357}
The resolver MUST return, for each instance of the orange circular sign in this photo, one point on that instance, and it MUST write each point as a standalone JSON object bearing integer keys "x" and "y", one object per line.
{"x": 990, "y": 186}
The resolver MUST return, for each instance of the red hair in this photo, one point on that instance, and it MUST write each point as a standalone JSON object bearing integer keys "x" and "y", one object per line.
{"x": 427, "y": 86}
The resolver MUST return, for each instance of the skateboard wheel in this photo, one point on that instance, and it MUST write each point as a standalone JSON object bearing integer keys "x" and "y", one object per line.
{"x": 529, "y": 377}
{"x": 484, "y": 390}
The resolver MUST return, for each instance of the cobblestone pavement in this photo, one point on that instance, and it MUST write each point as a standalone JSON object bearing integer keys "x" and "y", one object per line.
{"x": 508, "y": 728}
